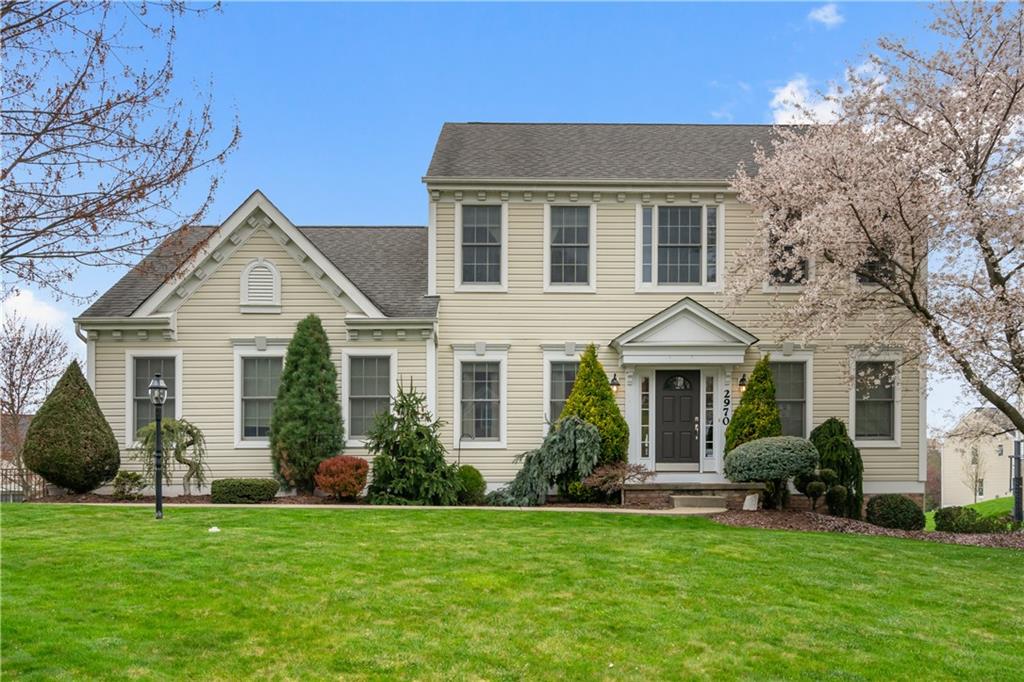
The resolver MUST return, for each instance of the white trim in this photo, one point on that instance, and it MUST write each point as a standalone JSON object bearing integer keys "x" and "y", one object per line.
{"x": 129, "y": 384}
{"x": 922, "y": 424}
{"x": 704, "y": 286}
{"x": 551, "y": 356}
{"x": 90, "y": 359}
{"x": 239, "y": 219}
{"x": 431, "y": 351}
{"x": 346, "y": 373}
{"x": 807, "y": 358}
{"x": 432, "y": 249}
{"x": 591, "y": 286}
{"x": 895, "y": 357}
{"x": 502, "y": 285}
{"x": 241, "y": 351}
{"x": 487, "y": 353}
{"x": 247, "y": 305}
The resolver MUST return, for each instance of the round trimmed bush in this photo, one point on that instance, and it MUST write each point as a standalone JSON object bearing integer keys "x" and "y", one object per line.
{"x": 835, "y": 500}
{"x": 773, "y": 461}
{"x": 895, "y": 511}
{"x": 342, "y": 476}
{"x": 472, "y": 486}
{"x": 69, "y": 442}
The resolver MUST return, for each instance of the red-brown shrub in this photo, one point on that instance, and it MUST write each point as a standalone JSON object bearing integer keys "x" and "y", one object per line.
{"x": 342, "y": 476}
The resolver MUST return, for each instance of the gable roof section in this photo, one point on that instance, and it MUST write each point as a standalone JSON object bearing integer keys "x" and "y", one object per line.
{"x": 594, "y": 151}
{"x": 385, "y": 267}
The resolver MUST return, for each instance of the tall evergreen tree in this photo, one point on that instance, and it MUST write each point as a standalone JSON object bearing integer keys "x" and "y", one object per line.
{"x": 306, "y": 426}
{"x": 758, "y": 414}
{"x": 69, "y": 442}
{"x": 839, "y": 453}
{"x": 592, "y": 401}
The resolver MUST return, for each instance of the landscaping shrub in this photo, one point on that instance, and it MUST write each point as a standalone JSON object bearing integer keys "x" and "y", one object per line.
{"x": 472, "y": 486}
{"x": 838, "y": 453}
{"x": 967, "y": 520}
{"x": 817, "y": 484}
{"x": 306, "y": 426}
{"x": 579, "y": 492}
{"x": 183, "y": 443}
{"x": 815, "y": 489}
{"x": 757, "y": 415}
{"x": 409, "y": 464}
{"x": 343, "y": 477}
{"x": 835, "y": 500}
{"x": 128, "y": 485}
{"x": 610, "y": 479}
{"x": 243, "y": 490}
{"x": 895, "y": 511}
{"x": 69, "y": 442}
{"x": 592, "y": 400}
{"x": 773, "y": 461}
{"x": 568, "y": 455}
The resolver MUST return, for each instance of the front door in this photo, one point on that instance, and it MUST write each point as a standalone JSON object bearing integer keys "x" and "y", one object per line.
{"x": 678, "y": 415}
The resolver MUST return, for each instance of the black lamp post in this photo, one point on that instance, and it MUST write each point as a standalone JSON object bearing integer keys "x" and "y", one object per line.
{"x": 158, "y": 394}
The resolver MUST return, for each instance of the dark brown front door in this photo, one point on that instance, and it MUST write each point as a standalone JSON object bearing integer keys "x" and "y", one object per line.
{"x": 678, "y": 415}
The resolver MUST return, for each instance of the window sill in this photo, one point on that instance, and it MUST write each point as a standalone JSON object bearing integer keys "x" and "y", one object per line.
{"x": 252, "y": 445}
{"x": 876, "y": 444}
{"x": 783, "y": 288}
{"x": 678, "y": 288}
{"x": 480, "y": 445}
{"x": 251, "y": 308}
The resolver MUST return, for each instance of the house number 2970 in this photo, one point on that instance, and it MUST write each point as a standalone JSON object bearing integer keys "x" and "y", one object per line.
{"x": 726, "y": 401}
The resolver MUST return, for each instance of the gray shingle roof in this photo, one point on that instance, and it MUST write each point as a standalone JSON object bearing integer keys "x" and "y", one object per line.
{"x": 388, "y": 264}
{"x": 594, "y": 151}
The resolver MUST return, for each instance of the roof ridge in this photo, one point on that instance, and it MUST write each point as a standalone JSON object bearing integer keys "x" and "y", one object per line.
{"x": 620, "y": 123}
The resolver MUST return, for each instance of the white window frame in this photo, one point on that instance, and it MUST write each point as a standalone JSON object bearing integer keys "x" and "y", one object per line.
{"x": 346, "y": 389}
{"x": 129, "y": 385}
{"x": 591, "y": 286}
{"x": 240, "y": 352}
{"x": 245, "y": 305}
{"x": 653, "y": 286}
{"x": 502, "y": 285}
{"x": 550, "y": 356}
{"x": 481, "y": 354}
{"x": 896, "y": 358}
{"x": 807, "y": 358}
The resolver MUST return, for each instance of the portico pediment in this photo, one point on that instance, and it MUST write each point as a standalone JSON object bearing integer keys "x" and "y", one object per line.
{"x": 685, "y": 333}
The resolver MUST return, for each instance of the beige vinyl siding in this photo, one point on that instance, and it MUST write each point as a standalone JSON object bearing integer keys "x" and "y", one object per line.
{"x": 206, "y": 324}
{"x": 526, "y": 318}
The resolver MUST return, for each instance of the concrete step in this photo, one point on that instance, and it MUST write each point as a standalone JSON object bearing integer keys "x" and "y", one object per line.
{"x": 698, "y": 502}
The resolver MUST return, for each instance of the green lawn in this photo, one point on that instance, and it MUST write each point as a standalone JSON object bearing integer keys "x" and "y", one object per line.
{"x": 1000, "y": 505}
{"x": 105, "y": 591}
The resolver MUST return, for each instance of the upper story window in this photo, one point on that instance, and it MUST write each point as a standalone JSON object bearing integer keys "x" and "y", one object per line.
{"x": 679, "y": 245}
{"x": 787, "y": 268}
{"x": 570, "y": 261}
{"x": 482, "y": 241}
{"x": 261, "y": 287}
{"x": 877, "y": 268}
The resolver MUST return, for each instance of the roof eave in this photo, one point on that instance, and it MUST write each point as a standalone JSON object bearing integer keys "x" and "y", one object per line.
{"x": 643, "y": 182}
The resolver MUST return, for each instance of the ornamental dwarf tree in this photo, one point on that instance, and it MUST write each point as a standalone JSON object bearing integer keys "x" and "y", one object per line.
{"x": 908, "y": 204}
{"x": 592, "y": 400}
{"x": 69, "y": 442}
{"x": 839, "y": 454}
{"x": 306, "y": 426}
{"x": 758, "y": 414}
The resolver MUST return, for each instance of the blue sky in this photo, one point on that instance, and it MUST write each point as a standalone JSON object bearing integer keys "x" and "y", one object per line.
{"x": 340, "y": 104}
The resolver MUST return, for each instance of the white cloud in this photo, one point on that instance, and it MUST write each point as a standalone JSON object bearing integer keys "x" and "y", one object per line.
{"x": 36, "y": 310}
{"x": 827, "y": 15}
{"x": 794, "y": 102}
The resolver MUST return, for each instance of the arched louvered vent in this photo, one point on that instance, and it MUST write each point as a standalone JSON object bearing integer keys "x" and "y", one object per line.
{"x": 261, "y": 286}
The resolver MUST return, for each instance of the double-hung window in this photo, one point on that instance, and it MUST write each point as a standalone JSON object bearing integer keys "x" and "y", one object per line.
{"x": 369, "y": 392}
{"x": 481, "y": 400}
{"x": 791, "y": 396}
{"x": 563, "y": 376}
{"x": 875, "y": 397}
{"x": 143, "y": 370}
{"x": 481, "y": 245}
{"x": 679, "y": 245}
{"x": 570, "y": 257}
{"x": 261, "y": 376}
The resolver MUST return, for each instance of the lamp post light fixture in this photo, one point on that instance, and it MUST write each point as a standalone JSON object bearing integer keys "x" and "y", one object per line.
{"x": 157, "y": 395}
{"x": 743, "y": 383}
{"x": 614, "y": 383}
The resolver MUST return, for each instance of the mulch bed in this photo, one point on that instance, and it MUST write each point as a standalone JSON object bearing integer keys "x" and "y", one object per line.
{"x": 809, "y": 521}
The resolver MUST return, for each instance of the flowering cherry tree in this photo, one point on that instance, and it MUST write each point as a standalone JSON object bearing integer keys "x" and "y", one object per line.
{"x": 904, "y": 215}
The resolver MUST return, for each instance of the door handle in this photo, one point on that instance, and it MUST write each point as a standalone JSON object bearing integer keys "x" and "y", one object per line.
{"x": 696, "y": 427}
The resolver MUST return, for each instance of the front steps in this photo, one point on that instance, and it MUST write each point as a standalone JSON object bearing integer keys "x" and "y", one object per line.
{"x": 700, "y": 504}
{"x": 721, "y": 496}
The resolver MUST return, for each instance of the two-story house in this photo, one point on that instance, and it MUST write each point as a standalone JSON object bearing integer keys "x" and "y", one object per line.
{"x": 541, "y": 239}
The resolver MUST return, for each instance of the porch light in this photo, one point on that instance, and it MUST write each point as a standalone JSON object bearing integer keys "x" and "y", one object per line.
{"x": 614, "y": 383}
{"x": 743, "y": 383}
{"x": 157, "y": 390}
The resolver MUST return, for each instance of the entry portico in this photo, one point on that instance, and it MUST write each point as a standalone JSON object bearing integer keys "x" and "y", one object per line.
{"x": 679, "y": 366}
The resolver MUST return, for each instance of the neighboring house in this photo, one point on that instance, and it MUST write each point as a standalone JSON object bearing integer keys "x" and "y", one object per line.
{"x": 976, "y": 458}
{"x": 541, "y": 238}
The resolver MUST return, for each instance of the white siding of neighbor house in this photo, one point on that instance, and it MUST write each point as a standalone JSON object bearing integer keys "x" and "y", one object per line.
{"x": 206, "y": 324}
{"x": 526, "y": 318}
{"x": 994, "y": 470}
